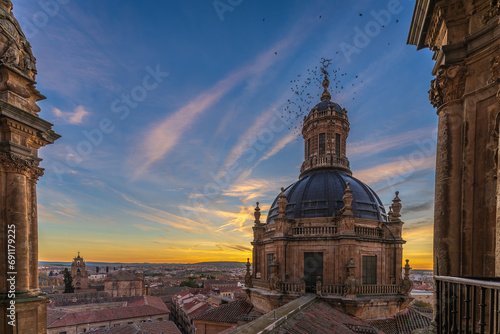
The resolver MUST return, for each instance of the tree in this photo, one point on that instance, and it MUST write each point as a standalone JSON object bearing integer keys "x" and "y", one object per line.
{"x": 51, "y": 273}
{"x": 190, "y": 282}
{"x": 68, "y": 282}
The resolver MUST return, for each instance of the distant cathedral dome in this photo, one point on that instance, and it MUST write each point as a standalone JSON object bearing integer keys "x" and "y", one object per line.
{"x": 319, "y": 194}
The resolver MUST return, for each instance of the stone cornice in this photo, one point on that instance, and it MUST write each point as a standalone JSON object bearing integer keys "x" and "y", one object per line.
{"x": 28, "y": 119}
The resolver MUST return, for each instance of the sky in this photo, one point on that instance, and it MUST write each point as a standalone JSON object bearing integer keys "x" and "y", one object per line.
{"x": 174, "y": 122}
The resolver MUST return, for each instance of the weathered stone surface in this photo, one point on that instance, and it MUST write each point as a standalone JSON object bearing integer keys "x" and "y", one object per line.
{"x": 22, "y": 133}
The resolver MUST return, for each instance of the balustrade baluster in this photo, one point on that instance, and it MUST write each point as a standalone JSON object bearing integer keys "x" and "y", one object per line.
{"x": 492, "y": 312}
{"x": 482, "y": 306}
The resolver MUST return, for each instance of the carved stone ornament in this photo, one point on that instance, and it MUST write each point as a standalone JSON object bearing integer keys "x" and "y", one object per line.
{"x": 495, "y": 73}
{"x": 448, "y": 85}
{"x": 11, "y": 162}
{"x": 15, "y": 50}
{"x": 256, "y": 214}
{"x": 248, "y": 276}
{"x": 493, "y": 11}
{"x": 274, "y": 282}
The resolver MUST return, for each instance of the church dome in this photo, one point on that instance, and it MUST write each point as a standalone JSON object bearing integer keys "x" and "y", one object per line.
{"x": 319, "y": 194}
{"x": 325, "y": 105}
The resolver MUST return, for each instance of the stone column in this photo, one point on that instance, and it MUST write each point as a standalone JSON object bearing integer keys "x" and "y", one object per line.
{"x": 446, "y": 94}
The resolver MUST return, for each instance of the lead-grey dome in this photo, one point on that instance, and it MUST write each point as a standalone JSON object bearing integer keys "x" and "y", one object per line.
{"x": 324, "y": 105}
{"x": 319, "y": 194}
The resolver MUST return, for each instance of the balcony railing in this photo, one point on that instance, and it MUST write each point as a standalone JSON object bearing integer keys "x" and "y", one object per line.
{"x": 332, "y": 289}
{"x": 368, "y": 231}
{"x": 382, "y": 289}
{"x": 467, "y": 305}
{"x": 311, "y": 230}
{"x": 293, "y": 287}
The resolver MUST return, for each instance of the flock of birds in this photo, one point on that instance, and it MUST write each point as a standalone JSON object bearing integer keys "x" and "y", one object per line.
{"x": 307, "y": 89}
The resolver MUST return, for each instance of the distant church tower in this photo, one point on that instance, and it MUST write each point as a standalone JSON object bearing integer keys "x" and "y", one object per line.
{"x": 79, "y": 273}
{"x": 22, "y": 133}
{"x": 328, "y": 233}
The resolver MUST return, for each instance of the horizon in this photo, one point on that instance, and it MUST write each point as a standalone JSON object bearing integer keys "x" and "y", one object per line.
{"x": 131, "y": 177}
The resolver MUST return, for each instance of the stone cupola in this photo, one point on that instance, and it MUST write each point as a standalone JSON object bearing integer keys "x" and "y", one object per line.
{"x": 325, "y": 131}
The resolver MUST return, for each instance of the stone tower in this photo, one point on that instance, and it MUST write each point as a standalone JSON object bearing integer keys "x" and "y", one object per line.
{"x": 79, "y": 273}
{"x": 22, "y": 133}
{"x": 325, "y": 134}
{"x": 464, "y": 37}
{"x": 328, "y": 233}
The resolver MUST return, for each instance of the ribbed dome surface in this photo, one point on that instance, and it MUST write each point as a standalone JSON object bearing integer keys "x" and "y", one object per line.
{"x": 323, "y": 105}
{"x": 319, "y": 194}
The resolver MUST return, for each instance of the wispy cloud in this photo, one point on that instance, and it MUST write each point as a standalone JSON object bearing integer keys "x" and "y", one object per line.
{"x": 371, "y": 146}
{"x": 72, "y": 117}
{"x": 163, "y": 217}
{"x": 162, "y": 137}
{"x": 395, "y": 170}
{"x": 278, "y": 146}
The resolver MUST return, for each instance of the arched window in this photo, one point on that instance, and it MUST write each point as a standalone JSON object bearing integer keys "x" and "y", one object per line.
{"x": 78, "y": 272}
{"x": 78, "y": 263}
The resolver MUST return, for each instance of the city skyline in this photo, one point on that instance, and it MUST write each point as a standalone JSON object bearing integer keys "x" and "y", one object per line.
{"x": 143, "y": 172}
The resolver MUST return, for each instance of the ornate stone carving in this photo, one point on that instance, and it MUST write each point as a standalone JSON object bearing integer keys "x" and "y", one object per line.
{"x": 11, "y": 162}
{"x": 282, "y": 203}
{"x": 406, "y": 284}
{"x": 395, "y": 209}
{"x": 257, "y": 214}
{"x": 495, "y": 72}
{"x": 348, "y": 198}
{"x": 15, "y": 50}
{"x": 350, "y": 283}
{"x": 492, "y": 12}
{"x": 274, "y": 282}
{"x": 248, "y": 275}
{"x": 448, "y": 85}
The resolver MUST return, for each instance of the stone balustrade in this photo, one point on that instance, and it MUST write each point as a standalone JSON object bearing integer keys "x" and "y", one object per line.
{"x": 379, "y": 289}
{"x": 368, "y": 231}
{"x": 332, "y": 289}
{"x": 314, "y": 230}
{"x": 327, "y": 160}
{"x": 293, "y": 287}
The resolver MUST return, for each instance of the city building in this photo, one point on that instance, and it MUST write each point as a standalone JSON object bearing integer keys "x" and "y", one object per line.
{"x": 328, "y": 233}
{"x": 218, "y": 319}
{"x": 80, "y": 317}
{"x": 123, "y": 283}
{"x": 465, "y": 38}
{"x": 22, "y": 134}
{"x": 79, "y": 273}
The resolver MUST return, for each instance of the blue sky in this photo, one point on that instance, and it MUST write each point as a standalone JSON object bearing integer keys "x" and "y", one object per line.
{"x": 156, "y": 100}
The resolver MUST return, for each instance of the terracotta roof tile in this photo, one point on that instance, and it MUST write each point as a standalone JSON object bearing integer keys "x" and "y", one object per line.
{"x": 149, "y": 306}
{"x": 163, "y": 327}
{"x": 321, "y": 318}
{"x": 404, "y": 322}
{"x": 227, "y": 312}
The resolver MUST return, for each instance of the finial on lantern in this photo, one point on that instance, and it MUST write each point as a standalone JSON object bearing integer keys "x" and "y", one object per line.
{"x": 326, "y": 83}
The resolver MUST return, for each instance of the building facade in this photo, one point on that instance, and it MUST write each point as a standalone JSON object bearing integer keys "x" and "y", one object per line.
{"x": 79, "y": 273}
{"x": 465, "y": 38}
{"x": 328, "y": 233}
{"x": 22, "y": 134}
{"x": 123, "y": 283}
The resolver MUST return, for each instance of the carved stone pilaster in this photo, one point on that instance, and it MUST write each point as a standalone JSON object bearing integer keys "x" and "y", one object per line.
{"x": 448, "y": 85}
